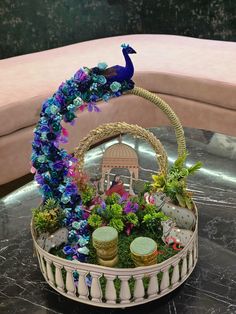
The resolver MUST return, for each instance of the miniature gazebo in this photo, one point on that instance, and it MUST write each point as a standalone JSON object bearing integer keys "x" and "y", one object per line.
{"x": 123, "y": 156}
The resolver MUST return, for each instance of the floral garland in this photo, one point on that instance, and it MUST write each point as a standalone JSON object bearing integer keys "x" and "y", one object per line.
{"x": 54, "y": 168}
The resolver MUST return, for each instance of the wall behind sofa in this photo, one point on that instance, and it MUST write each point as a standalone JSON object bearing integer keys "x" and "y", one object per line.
{"x": 33, "y": 25}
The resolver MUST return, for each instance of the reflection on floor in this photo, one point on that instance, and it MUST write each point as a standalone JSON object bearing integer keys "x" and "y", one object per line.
{"x": 210, "y": 289}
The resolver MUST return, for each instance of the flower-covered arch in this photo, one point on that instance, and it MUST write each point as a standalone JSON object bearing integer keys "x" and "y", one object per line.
{"x": 53, "y": 166}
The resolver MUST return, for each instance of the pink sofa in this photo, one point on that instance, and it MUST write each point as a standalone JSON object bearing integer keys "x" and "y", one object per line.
{"x": 196, "y": 77}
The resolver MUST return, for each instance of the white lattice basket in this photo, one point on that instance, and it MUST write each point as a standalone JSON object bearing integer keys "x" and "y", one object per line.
{"x": 58, "y": 272}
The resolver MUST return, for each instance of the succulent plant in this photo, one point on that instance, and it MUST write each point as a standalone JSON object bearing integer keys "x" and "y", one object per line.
{"x": 48, "y": 217}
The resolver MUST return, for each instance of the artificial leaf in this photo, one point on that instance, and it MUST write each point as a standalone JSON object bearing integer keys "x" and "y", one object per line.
{"x": 189, "y": 202}
{"x": 181, "y": 200}
{"x": 195, "y": 167}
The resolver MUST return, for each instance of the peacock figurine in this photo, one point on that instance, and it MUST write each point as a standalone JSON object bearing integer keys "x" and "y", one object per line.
{"x": 120, "y": 73}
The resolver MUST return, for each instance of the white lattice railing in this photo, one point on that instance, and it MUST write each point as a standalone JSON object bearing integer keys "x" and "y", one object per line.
{"x": 117, "y": 287}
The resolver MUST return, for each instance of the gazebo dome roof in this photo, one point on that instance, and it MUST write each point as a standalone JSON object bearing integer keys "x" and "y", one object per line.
{"x": 120, "y": 151}
{"x": 120, "y": 155}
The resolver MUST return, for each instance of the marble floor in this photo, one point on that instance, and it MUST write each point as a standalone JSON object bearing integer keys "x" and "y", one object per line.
{"x": 212, "y": 286}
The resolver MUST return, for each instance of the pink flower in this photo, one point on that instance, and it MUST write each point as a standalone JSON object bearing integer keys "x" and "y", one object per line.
{"x": 64, "y": 132}
{"x": 32, "y": 170}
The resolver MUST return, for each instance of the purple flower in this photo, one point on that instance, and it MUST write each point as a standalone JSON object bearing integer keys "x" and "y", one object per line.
{"x": 58, "y": 165}
{"x": 80, "y": 75}
{"x": 130, "y": 207}
{"x": 60, "y": 98}
{"x": 68, "y": 250}
{"x": 94, "y": 98}
{"x": 71, "y": 189}
{"x": 46, "y": 188}
{"x": 73, "y": 159}
{"x": 63, "y": 139}
{"x": 90, "y": 106}
{"x": 72, "y": 122}
{"x": 44, "y": 128}
{"x": 123, "y": 198}
{"x": 39, "y": 179}
{"x": 93, "y": 107}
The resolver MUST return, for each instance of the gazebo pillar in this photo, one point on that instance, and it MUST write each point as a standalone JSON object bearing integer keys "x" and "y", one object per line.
{"x": 108, "y": 179}
{"x": 102, "y": 180}
{"x": 131, "y": 191}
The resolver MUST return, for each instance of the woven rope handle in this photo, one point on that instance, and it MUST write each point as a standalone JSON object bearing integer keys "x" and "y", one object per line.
{"x": 112, "y": 129}
{"x": 174, "y": 120}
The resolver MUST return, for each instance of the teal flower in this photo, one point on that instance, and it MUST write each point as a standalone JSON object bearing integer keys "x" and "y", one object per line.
{"x": 115, "y": 86}
{"x": 53, "y": 109}
{"x": 56, "y": 127}
{"x": 83, "y": 250}
{"x": 94, "y": 86}
{"x": 43, "y": 136}
{"x": 83, "y": 240}
{"x": 61, "y": 188}
{"x": 106, "y": 97}
{"x": 65, "y": 199}
{"x": 101, "y": 79}
{"x": 78, "y": 102}
{"x": 71, "y": 107}
{"x": 42, "y": 159}
{"x": 76, "y": 225}
{"x": 102, "y": 65}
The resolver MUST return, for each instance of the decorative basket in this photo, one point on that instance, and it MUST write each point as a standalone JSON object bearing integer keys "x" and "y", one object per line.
{"x": 120, "y": 287}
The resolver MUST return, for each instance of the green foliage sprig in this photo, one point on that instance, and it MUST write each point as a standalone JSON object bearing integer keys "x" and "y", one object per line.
{"x": 112, "y": 199}
{"x": 174, "y": 184}
{"x": 117, "y": 223}
{"x": 113, "y": 211}
{"x": 95, "y": 221}
{"x": 132, "y": 218}
{"x": 87, "y": 195}
{"x": 152, "y": 221}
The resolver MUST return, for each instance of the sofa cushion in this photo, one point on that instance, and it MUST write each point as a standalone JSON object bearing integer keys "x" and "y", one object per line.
{"x": 15, "y": 148}
{"x": 195, "y": 69}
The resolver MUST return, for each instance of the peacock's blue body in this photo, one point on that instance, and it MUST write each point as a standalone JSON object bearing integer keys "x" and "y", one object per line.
{"x": 118, "y": 73}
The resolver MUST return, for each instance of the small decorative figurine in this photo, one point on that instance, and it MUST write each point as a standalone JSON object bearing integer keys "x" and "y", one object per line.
{"x": 171, "y": 232}
{"x": 118, "y": 73}
{"x": 143, "y": 251}
{"x": 183, "y": 217}
{"x": 47, "y": 242}
{"x": 105, "y": 240}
